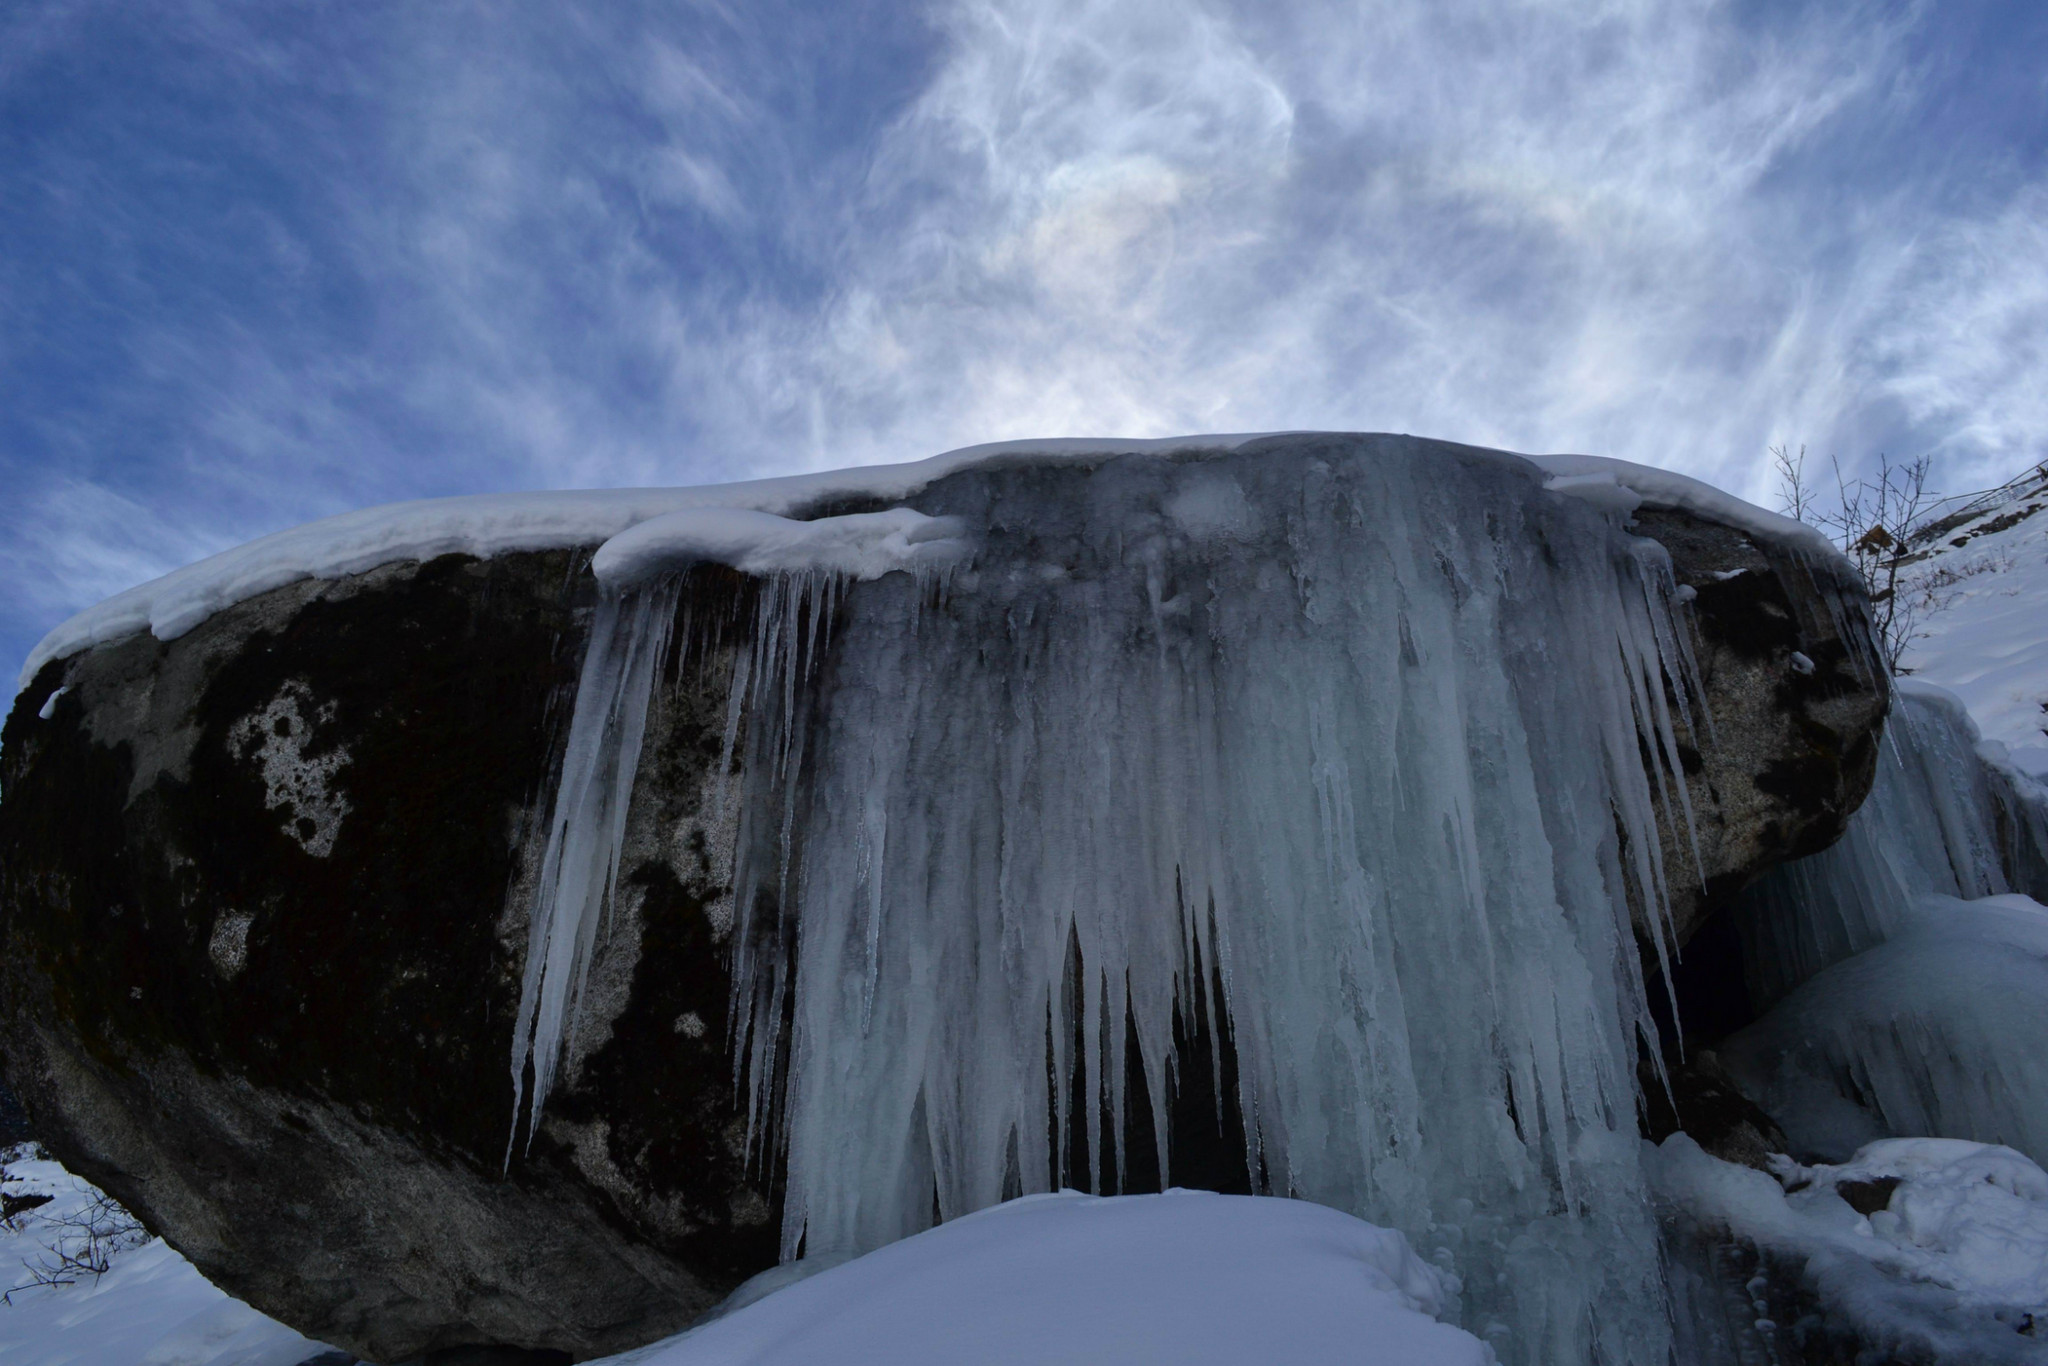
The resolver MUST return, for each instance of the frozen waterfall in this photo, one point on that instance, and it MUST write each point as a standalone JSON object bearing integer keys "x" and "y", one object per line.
{"x": 1946, "y": 816}
{"x": 1374, "y": 733}
{"x": 1908, "y": 964}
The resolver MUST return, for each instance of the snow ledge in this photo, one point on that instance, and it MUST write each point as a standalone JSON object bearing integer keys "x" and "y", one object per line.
{"x": 490, "y": 524}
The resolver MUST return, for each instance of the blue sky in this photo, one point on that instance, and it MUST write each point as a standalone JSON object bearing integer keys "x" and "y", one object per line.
{"x": 264, "y": 262}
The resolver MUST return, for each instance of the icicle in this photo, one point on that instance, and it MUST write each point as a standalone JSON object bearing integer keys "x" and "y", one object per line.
{"x": 1848, "y": 617}
{"x": 1341, "y": 752}
{"x": 579, "y": 870}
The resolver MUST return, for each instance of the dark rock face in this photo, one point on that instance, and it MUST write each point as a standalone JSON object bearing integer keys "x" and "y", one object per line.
{"x": 263, "y": 896}
{"x": 1696, "y": 1096}
{"x": 13, "y": 1119}
{"x": 263, "y": 928}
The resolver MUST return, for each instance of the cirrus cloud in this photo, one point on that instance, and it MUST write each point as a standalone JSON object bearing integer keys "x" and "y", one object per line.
{"x": 271, "y": 261}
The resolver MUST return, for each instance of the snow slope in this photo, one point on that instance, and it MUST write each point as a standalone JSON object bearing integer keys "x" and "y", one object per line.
{"x": 1984, "y": 632}
{"x": 490, "y": 524}
{"x": 1186, "y": 1278}
{"x": 151, "y": 1308}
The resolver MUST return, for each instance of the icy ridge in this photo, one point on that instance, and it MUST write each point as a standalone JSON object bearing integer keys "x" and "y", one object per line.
{"x": 492, "y": 524}
{"x": 860, "y": 546}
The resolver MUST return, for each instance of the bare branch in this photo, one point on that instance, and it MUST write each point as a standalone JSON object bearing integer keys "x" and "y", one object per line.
{"x": 1795, "y": 496}
{"x": 1874, "y": 521}
{"x": 83, "y": 1243}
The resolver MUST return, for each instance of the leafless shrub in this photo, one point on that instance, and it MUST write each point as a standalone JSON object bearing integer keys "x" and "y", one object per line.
{"x": 1874, "y": 522}
{"x": 83, "y": 1242}
{"x": 14, "y": 1209}
{"x": 15, "y": 1206}
{"x": 1941, "y": 578}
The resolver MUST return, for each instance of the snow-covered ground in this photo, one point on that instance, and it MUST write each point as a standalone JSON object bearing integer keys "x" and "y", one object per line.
{"x": 1187, "y": 1278}
{"x": 151, "y": 1308}
{"x": 1983, "y": 634}
{"x": 1936, "y": 1248}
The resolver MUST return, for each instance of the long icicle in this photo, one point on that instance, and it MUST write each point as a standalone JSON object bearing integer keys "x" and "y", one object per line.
{"x": 586, "y": 829}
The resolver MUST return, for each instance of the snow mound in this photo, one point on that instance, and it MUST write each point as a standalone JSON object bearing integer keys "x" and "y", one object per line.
{"x": 1905, "y": 970}
{"x": 1187, "y": 1278}
{"x": 1942, "y": 1028}
{"x": 492, "y": 524}
{"x": 1949, "y": 1263}
{"x": 1971, "y": 1216}
{"x": 151, "y": 1308}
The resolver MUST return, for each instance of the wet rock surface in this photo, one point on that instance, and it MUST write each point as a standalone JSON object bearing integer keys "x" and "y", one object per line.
{"x": 263, "y": 896}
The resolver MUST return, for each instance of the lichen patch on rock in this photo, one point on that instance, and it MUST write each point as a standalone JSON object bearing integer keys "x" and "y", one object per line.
{"x": 229, "y": 945}
{"x": 277, "y": 740}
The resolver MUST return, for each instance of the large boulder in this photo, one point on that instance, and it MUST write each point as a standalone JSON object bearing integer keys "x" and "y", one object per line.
{"x": 1795, "y": 701}
{"x": 263, "y": 922}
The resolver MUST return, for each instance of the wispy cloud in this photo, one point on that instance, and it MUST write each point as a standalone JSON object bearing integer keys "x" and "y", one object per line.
{"x": 1962, "y": 340}
{"x": 75, "y": 539}
{"x": 1544, "y": 227}
{"x": 270, "y": 261}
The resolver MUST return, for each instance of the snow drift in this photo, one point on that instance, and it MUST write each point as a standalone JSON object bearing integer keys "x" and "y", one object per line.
{"x": 1914, "y": 1249}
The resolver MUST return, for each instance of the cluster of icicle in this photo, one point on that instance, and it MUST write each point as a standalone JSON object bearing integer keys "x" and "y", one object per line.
{"x": 1377, "y": 734}
{"x": 1908, "y": 983}
{"x": 1940, "y": 820}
